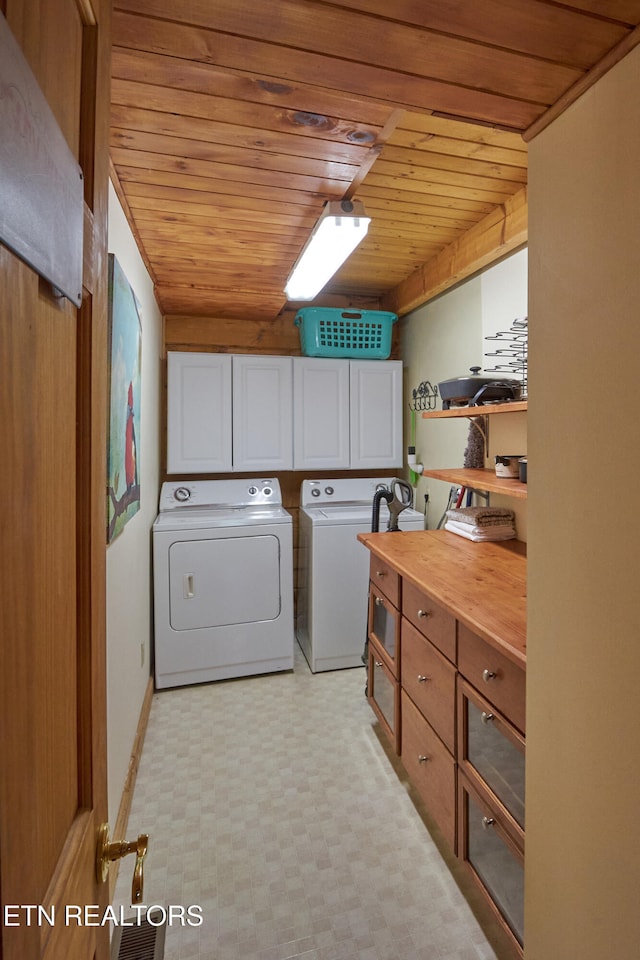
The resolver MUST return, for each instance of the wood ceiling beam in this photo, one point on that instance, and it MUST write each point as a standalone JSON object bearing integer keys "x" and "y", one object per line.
{"x": 501, "y": 232}
{"x": 603, "y": 66}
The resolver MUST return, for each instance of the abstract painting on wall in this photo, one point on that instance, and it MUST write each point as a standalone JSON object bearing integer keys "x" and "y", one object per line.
{"x": 123, "y": 435}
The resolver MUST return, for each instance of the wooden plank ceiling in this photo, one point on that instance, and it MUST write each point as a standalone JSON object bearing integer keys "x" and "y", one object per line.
{"x": 233, "y": 121}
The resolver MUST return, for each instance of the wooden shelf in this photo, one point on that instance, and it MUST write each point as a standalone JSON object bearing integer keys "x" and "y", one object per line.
{"x": 480, "y": 480}
{"x": 518, "y": 406}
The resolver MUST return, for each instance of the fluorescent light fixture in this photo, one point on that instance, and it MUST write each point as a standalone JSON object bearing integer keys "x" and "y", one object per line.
{"x": 339, "y": 230}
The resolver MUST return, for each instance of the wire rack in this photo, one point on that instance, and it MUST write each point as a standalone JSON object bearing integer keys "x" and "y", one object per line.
{"x": 513, "y": 352}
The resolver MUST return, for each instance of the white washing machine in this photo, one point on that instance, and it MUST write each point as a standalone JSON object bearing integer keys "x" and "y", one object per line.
{"x": 223, "y": 581}
{"x": 333, "y": 568}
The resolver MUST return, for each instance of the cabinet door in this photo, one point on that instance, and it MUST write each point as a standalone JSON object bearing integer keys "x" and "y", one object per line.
{"x": 430, "y": 619}
{"x": 383, "y": 695}
{"x": 495, "y": 860}
{"x": 501, "y": 681}
{"x": 492, "y": 753}
{"x": 384, "y": 627}
{"x": 430, "y": 681}
{"x": 376, "y": 413}
{"x": 430, "y": 766}
{"x": 262, "y": 413}
{"x": 198, "y": 412}
{"x": 321, "y": 413}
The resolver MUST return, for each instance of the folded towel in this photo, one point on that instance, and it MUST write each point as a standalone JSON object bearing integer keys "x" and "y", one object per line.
{"x": 505, "y": 531}
{"x": 481, "y": 516}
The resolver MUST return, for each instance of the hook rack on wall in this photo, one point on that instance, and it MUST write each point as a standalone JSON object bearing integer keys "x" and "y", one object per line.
{"x": 423, "y": 397}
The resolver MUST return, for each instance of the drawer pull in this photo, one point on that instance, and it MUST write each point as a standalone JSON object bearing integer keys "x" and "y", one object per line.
{"x": 379, "y": 602}
{"x": 423, "y": 613}
{"x": 378, "y": 663}
{"x": 422, "y": 758}
{"x": 488, "y": 675}
{"x": 422, "y": 678}
{"x": 487, "y": 717}
{"x": 487, "y": 822}
{"x": 380, "y": 573}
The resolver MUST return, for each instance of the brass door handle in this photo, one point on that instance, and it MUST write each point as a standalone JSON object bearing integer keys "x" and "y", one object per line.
{"x": 109, "y": 850}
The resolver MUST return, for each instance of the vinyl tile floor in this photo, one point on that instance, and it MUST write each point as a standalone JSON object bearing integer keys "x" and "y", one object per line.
{"x": 277, "y": 813}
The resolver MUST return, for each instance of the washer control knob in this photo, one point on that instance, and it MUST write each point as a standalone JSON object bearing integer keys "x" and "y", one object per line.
{"x": 329, "y": 491}
{"x": 267, "y": 491}
{"x": 315, "y": 492}
{"x": 253, "y": 491}
{"x": 182, "y": 494}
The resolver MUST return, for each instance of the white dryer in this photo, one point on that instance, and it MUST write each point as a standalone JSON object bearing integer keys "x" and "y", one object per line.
{"x": 333, "y": 568}
{"x": 223, "y": 581}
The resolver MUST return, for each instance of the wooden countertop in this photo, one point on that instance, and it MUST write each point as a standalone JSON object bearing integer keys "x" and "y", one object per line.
{"x": 484, "y": 585}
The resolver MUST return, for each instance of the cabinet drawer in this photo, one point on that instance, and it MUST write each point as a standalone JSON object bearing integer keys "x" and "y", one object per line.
{"x": 384, "y": 627}
{"x": 383, "y": 696}
{"x": 430, "y": 766}
{"x": 500, "y": 680}
{"x": 430, "y": 618}
{"x": 492, "y": 751}
{"x": 385, "y": 578}
{"x": 430, "y": 681}
{"x": 494, "y": 859}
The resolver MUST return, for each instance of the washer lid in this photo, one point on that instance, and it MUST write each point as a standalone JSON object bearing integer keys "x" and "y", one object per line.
{"x": 361, "y": 514}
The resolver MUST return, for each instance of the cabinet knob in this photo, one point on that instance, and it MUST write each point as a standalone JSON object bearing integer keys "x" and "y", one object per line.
{"x": 487, "y": 717}
{"x": 422, "y": 678}
{"x": 380, "y": 573}
{"x": 422, "y": 758}
{"x": 378, "y": 663}
{"x": 488, "y": 675}
{"x": 379, "y": 602}
{"x": 423, "y": 613}
{"x": 487, "y": 822}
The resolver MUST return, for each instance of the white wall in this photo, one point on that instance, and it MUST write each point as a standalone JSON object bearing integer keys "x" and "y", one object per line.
{"x": 129, "y": 556}
{"x": 444, "y": 339}
{"x": 583, "y": 649}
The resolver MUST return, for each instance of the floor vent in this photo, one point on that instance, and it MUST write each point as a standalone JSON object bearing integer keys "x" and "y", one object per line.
{"x": 140, "y": 941}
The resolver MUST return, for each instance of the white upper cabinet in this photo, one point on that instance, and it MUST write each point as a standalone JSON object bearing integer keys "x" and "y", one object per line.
{"x": 262, "y": 413}
{"x": 376, "y": 413}
{"x": 198, "y": 413}
{"x": 321, "y": 414}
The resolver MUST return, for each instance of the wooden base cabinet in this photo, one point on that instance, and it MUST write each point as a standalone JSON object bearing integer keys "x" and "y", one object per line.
{"x": 453, "y": 704}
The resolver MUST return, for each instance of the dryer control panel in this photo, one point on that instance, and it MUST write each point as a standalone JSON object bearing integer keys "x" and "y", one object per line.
{"x": 217, "y": 494}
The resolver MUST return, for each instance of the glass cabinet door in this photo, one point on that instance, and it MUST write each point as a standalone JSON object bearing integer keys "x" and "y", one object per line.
{"x": 494, "y": 858}
{"x": 384, "y": 627}
{"x": 493, "y": 749}
{"x": 382, "y": 692}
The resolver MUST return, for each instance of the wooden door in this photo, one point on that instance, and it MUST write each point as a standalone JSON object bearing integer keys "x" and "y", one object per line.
{"x": 52, "y": 528}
